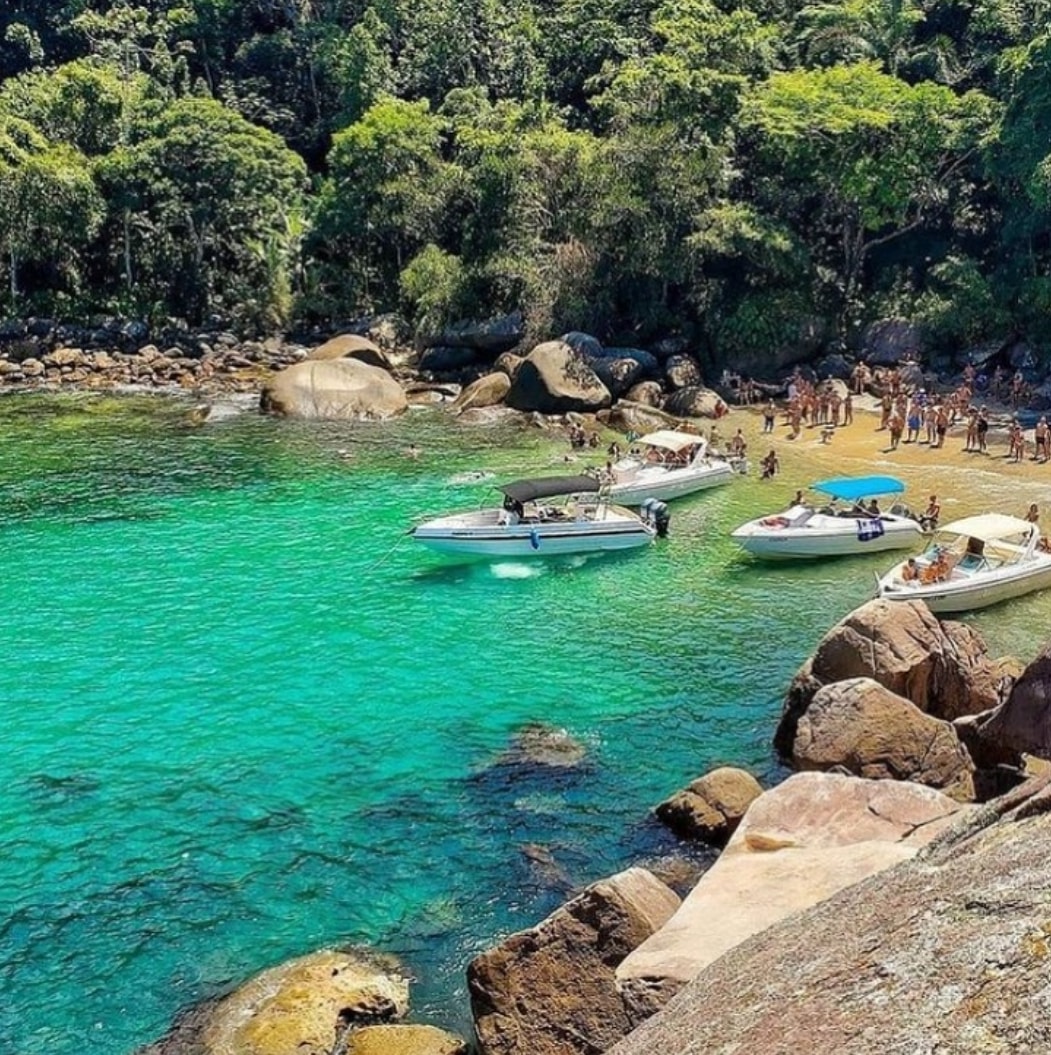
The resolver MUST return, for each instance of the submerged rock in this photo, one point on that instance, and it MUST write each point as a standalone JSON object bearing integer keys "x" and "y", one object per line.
{"x": 550, "y": 990}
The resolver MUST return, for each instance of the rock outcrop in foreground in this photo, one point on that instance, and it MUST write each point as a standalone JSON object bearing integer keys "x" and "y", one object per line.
{"x": 872, "y": 732}
{"x": 942, "y": 667}
{"x": 798, "y": 844}
{"x": 550, "y": 990}
{"x": 947, "y": 953}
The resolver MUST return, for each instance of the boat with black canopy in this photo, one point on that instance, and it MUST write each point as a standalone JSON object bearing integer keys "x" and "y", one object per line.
{"x": 542, "y": 517}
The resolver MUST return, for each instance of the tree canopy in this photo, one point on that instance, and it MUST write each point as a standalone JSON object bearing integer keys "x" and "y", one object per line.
{"x": 729, "y": 170}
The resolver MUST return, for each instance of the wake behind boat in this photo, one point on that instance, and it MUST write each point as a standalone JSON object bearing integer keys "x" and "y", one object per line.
{"x": 973, "y": 563}
{"x": 844, "y": 527}
{"x": 530, "y": 524}
{"x": 669, "y": 464}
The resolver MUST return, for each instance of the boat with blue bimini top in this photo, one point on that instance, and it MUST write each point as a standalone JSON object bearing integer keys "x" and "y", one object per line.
{"x": 973, "y": 563}
{"x": 850, "y": 522}
{"x": 545, "y": 517}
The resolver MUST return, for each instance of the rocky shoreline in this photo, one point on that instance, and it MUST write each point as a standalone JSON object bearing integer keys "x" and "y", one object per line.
{"x": 908, "y": 742}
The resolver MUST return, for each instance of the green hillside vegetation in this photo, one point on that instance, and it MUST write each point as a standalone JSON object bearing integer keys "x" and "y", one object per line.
{"x": 750, "y": 173}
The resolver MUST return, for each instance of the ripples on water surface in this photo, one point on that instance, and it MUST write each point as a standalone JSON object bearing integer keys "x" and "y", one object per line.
{"x": 245, "y": 717}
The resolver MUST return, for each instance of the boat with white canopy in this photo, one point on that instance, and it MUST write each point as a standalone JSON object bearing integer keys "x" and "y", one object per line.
{"x": 668, "y": 464}
{"x": 973, "y": 563}
{"x": 850, "y": 523}
{"x": 544, "y": 517}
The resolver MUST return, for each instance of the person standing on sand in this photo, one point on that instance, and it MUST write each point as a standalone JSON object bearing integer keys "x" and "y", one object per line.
{"x": 896, "y": 426}
{"x": 1042, "y": 433}
{"x": 941, "y": 425}
{"x": 769, "y": 416}
{"x": 982, "y": 428}
{"x": 886, "y": 404}
{"x": 971, "y": 440}
{"x": 848, "y": 409}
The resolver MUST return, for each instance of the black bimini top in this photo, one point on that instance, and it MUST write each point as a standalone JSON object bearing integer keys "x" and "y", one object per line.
{"x": 548, "y": 487}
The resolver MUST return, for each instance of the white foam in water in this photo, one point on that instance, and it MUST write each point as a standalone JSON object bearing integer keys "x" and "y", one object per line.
{"x": 515, "y": 570}
{"x": 474, "y": 476}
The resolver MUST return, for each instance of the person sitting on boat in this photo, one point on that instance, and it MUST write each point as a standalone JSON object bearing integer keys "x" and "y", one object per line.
{"x": 929, "y": 517}
{"x": 938, "y": 570}
{"x": 511, "y": 512}
{"x": 911, "y": 571}
{"x": 873, "y": 509}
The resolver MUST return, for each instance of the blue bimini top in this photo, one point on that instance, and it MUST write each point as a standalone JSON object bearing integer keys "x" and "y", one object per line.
{"x": 853, "y": 488}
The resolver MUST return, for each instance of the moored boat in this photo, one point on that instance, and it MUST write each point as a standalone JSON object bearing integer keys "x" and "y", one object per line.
{"x": 843, "y": 527}
{"x": 544, "y": 517}
{"x": 973, "y": 563}
{"x": 668, "y": 464}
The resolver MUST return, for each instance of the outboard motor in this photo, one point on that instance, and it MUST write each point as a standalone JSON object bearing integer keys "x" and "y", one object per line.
{"x": 655, "y": 512}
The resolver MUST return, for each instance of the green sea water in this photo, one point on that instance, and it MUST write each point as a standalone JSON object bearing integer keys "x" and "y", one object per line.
{"x": 246, "y": 717}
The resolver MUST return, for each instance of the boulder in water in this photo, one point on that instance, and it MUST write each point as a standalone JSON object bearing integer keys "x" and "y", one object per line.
{"x": 334, "y": 389}
{"x": 352, "y": 346}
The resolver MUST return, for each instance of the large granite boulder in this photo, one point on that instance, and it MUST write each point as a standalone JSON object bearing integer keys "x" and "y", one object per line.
{"x": 864, "y": 728}
{"x": 334, "y": 389}
{"x": 947, "y": 953}
{"x": 618, "y": 375}
{"x": 943, "y": 668}
{"x": 583, "y": 343}
{"x": 446, "y": 359}
{"x": 508, "y": 363}
{"x": 487, "y": 391}
{"x": 489, "y": 336}
{"x": 550, "y": 990}
{"x": 554, "y": 379}
{"x": 695, "y": 401}
{"x": 888, "y": 342}
{"x": 352, "y": 346}
{"x": 649, "y": 393}
{"x": 1022, "y": 724}
{"x": 798, "y": 844}
{"x": 712, "y": 806}
{"x": 682, "y": 371}
{"x": 299, "y": 1006}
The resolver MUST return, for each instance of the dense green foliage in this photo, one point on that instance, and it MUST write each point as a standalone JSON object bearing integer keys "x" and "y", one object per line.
{"x": 739, "y": 171}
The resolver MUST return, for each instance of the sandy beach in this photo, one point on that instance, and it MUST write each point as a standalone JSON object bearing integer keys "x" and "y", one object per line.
{"x": 965, "y": 482}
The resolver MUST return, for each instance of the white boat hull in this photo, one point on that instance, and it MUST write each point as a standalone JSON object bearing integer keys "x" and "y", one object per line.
{"x": 666, "y": 484}
{"x": 978, "y": 591}
{"x": 777, "y": 538}
{"x": 482, "y": 535}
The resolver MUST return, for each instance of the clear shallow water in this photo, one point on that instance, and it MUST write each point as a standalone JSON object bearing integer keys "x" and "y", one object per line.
{"x": 245, "y": 717}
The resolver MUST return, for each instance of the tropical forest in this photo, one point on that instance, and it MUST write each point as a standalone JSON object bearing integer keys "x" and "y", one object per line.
{"x": 745, "y": 173}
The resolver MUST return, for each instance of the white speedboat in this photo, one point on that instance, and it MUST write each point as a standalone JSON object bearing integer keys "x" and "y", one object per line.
{"x": 668, "y": 465}
{"x": 545, "y": 517}
{"x": 973, "y": 563}
{"x": 845, "y": 526}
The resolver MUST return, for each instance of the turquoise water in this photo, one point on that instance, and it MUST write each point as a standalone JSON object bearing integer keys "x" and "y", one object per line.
{"x": 246, "y": 717}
